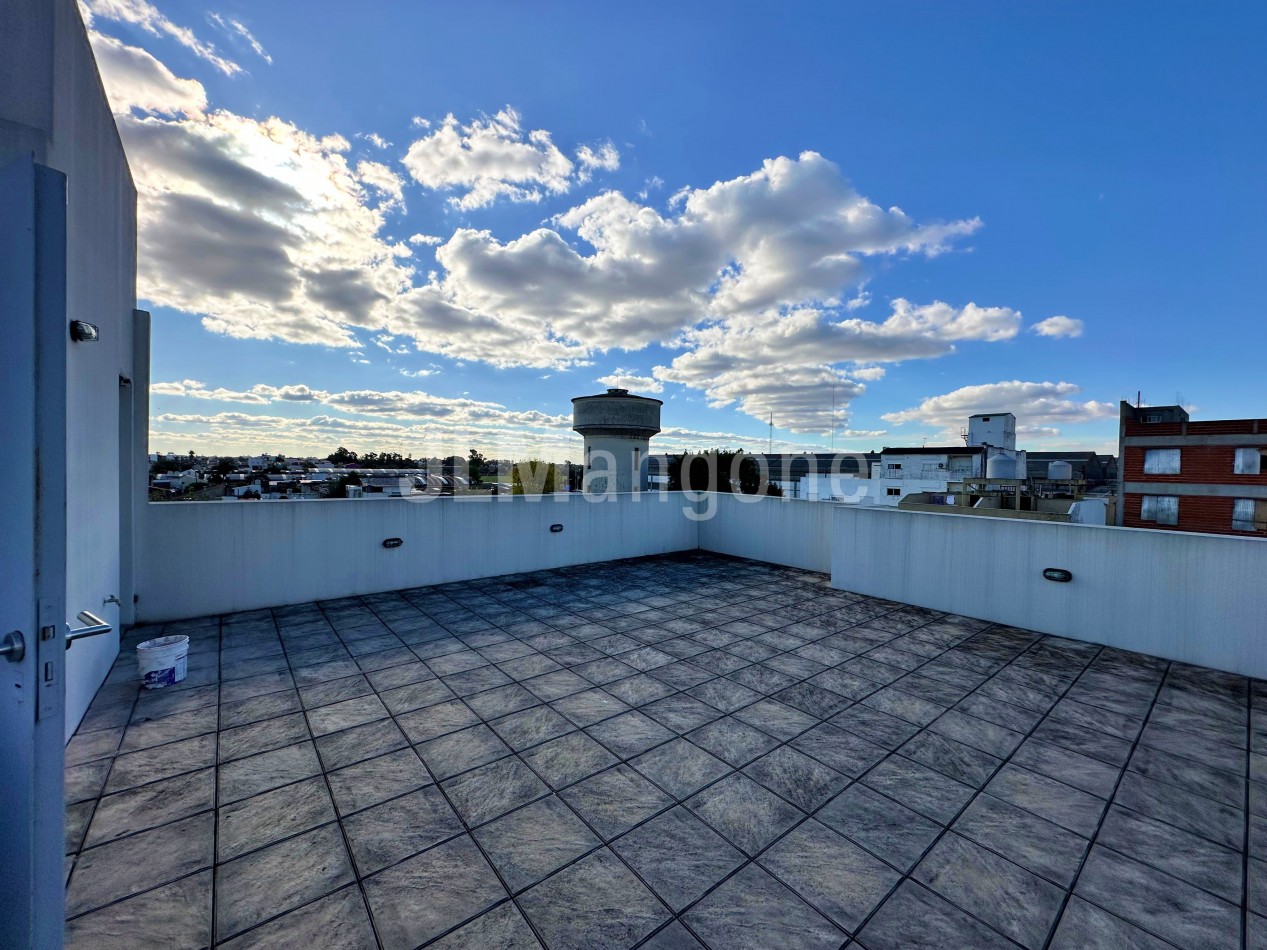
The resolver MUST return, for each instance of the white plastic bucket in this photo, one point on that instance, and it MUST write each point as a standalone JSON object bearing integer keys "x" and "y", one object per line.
{"x": 162, "y": 661}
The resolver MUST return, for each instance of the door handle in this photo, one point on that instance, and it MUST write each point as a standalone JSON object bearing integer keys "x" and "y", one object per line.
{"x": 13, "y": 647}
{"x": 93, "y": 626}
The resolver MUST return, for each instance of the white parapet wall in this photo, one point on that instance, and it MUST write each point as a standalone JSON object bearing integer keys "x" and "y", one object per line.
{"x": 789, "y": 531}
{"x": 202, "y": 558}
{"x": 1190, "y": 597}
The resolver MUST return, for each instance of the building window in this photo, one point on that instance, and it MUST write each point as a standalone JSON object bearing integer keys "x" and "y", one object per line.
{"x": 1249, "y": 515}
{"x": 893, "y": 492}
{"x": 1161, "y": 461}
{"x": 1163, "y": 509}
{"x": 1249, "y": 461}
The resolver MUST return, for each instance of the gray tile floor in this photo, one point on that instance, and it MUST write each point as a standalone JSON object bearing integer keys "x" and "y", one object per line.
{"x": 667, "y": 752}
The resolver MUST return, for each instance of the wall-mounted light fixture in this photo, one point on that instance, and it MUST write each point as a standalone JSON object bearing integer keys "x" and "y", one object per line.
{"x": 83, "y": 332}
{"x": 556, "y": 528}
{"x": 392, "y": 542}
{"x": 1058, "y": 574}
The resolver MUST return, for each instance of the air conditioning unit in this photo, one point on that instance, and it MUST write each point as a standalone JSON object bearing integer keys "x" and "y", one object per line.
{"x": 941, "y": 464}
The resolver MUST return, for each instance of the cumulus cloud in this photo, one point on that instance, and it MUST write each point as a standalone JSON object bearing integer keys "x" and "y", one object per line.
{"x": 489, "y": 158}
{"x": 270, "y": 232}
{"x": 136, "y": 80}
{"x": 629, "y": 379}
{"x": 1039, "y": 407}
{"x": 394, "y": 404}
{"x": 198, "y": 390}
{"x": 144, "y": 15}
{"x": 259, "y": 395}
{"x": 262, "y": 227}
{"x": 603, "y": 158}
{"x": 384, "y": 181}
{"x": 785, "y": 364}
{"x": 1058, "y": 327}
{"x": 243, "y": 433}
{"x": 790, "y": 234}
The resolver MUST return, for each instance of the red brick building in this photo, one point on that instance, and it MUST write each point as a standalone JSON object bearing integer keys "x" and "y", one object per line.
{"x": 1181, "y": 475}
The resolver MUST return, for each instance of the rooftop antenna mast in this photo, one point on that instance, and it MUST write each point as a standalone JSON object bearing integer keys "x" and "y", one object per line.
{"x": 770, "y": 448}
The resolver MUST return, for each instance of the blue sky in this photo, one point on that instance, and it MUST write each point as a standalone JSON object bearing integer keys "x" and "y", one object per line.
{"x": 699, "y": 200}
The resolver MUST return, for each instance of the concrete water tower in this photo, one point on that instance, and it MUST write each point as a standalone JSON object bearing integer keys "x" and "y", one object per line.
{"x": 617, "y": 427}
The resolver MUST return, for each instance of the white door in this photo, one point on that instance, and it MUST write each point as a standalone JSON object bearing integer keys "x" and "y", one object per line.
{"x": 33, "y": 339}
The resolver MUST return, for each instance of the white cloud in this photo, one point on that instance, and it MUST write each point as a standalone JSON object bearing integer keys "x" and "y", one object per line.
{"x": 418, "y": 122}
{"x": 629, "y": 379}
{"x": 257, "y": 395}
{"x": 269, "y": 232}
{"x": 136, "y": 80}
{"x": 236, "y": 26}
{"x": 385, "y": 181}
{"x": 197, "y": 390}
{"x": 488, "y": 158}
{"x": 1039, "y": 407}
{"x": 1058, "y": 327}
{"x": 785, "y": 363}
{"x": 790, "y": 234}
{"x": 859, "y": 300}
{"x": 393, "y": 404}
{"x": 654, "y": 183}
{"x": 262, "y": 228}
{"x": 144, "y": 15}
{"x": 374, "y": 139}
{"x": 603, "y": 158}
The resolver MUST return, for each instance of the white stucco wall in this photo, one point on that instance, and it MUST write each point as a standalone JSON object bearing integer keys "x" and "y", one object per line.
{"x": 52, "y": 106}
{"x": 1189, "y": 597}
{"x": 789, "y": 531}
{"x": 200, "y": 558}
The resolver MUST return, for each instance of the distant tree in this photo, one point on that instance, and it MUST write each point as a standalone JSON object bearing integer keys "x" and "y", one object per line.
{"x": 383, "y": 460}
{"x": 165, "y": 465}
{"x": 338, "y": 487}
{"x": 533, "y": 477}
{"x": 719, "y": 470}
{"x": 475, "y": 466}
{"x": 342, "y": 456}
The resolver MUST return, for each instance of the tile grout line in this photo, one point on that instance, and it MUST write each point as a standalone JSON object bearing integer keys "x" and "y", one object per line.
{"x": 946, "y": 828}
{"x": 1082, "y": 863}
{"x": 714, "y": 675}
{"x": 467, "y": 832}
{"x": 1245, "y": 841}
{"x": 338, "y": 816}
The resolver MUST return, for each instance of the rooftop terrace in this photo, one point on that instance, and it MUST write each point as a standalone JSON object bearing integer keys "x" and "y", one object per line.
{"x": 679, "y": 751}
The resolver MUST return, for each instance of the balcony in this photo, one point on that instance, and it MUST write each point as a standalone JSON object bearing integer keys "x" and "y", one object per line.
{"x": 681, "y": 750}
